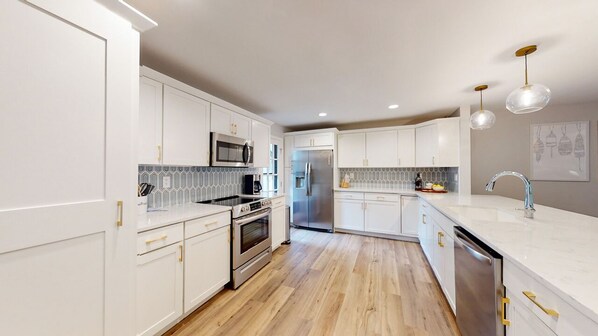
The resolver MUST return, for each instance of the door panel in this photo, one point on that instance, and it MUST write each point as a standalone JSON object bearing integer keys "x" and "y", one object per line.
{"x": 406, "y": 148}
{"x": 349, "y": 214}
{"x": 380, "y": 149}
{"x": 65, "y": 124}
{"x": 409, "y": 215}
{"x": 351, "y": 150}
{"x": 299, "y": 187}
{"x": 383, "y": 217}
{"x": 220, "y": 120}
{"x": 150, "y": 121}
{"x": 320, "y": 197}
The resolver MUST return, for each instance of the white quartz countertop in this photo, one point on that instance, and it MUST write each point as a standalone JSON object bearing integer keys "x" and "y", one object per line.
{"x": 176, "y": 214}
{"x": 557, "y": 247}
{"x": 378, "y": 190}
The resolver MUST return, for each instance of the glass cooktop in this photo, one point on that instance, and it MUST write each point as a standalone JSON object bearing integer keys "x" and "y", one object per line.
{"x": 231, "y": 200}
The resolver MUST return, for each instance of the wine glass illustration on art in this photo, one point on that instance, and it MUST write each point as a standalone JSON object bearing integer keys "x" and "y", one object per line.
{"x": 579, "y": 151}
{"x": 565, "y": 145}
{"x": 538, "y": 145}
{"x": 551, "y": 140}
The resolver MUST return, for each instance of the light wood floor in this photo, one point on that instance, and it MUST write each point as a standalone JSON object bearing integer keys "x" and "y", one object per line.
{"x": 331, "y": 284}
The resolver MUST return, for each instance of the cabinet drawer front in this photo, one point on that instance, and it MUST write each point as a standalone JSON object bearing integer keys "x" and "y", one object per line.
{"x": 569, "y": 320}
{"x": 157, "y": 238}
{"x": 382, "y": 197}
{"x": 205, "y": 224}
{"x": 348, "y": 195}
{"x": 278, "y": 201}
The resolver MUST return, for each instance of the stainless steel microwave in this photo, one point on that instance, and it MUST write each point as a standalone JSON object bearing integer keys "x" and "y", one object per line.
{"x": 229, "y": 151}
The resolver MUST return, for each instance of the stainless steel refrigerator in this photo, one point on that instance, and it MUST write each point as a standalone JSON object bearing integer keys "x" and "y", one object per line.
{"x": 312, "y": 189}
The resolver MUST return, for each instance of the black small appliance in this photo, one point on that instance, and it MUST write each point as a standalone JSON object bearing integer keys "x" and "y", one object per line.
{"x": 252, "y": 184}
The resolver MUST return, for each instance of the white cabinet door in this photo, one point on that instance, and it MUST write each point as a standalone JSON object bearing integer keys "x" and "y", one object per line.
{"x": 383, "y": 217}
{"x": 351, "y": 150}
{"x": 448, "y": 283}
{"x": 425, "y": 232}
{"x": 438, "y": 251}
{"x": 220, "y": 120}
{"x": 278, "y": 222}
{"x": 303, "y": 141}
{"x": 150, "y": 121}
{"x": 207, "y": 266}
{"x": 349, "y": 214}
{"x": 406, "y": 148}
{"x": 261, "y": 144}
{"x": 322, "y": 139}
{"x": 409, "y": 215}
{"x": 68, "y": 95}
{"x": 380, "y": 149}
{"x": 448, "y": 142}
{"x": 242, "y": 126}
{"x": 186, "y": 129}
{"x": 426, "y": 144}
{"x": 159, "y": 289}
{"x": 523, "y": 321}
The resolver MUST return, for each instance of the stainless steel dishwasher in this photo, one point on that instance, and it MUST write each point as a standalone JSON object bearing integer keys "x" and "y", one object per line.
{"x": 478, "y": 286}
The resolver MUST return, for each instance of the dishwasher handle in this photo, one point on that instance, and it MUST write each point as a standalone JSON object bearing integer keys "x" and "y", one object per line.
{"x": 472, "y": 248}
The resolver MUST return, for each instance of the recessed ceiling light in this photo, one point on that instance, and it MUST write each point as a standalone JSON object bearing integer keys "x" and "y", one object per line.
{"x": 393, "y": 106}
{"x": 322, "y": 114}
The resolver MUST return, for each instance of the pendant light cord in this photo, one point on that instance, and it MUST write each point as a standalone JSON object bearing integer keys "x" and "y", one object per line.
{"x": 481, "y": 104}
{"x": 525, "y": 69}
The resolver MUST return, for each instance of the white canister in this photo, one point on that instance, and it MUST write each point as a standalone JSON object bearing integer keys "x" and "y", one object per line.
{"x": 141, "y": 205}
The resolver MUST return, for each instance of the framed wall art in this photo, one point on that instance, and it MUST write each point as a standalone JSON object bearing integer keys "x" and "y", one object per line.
{"x": 560, "y": 151}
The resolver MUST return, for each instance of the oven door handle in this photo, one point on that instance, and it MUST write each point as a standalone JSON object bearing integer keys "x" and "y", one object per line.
{"x": 244, "y": 221}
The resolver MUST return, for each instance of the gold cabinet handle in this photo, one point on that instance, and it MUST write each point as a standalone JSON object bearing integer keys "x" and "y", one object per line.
{"x": 119, "y": 217}
{"x": 210, "y": 224}
{"x": 532, "y": 297}
{"x": 380, "y": 198}
{"x": 440, "y": 235}
{"x": 181, "y": 253}
{"x": 424, "y": 219}
{"x": 159, "y": 153}
{"x": 503, "y": 302}
{"x": 162, "y": 237}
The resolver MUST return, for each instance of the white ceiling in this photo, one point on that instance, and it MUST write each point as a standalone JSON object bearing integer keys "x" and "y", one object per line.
{"x": 290, "y": 60}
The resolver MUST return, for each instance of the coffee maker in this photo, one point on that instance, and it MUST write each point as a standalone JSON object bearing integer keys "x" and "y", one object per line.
{"x": 252, "y": 185}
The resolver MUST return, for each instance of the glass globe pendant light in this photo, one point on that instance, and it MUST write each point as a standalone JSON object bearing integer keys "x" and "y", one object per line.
{"x": 481, "y": 119}
{"x": 530, "y": 97}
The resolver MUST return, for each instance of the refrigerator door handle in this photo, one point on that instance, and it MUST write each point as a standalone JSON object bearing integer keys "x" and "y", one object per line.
{"x": 308, "y": 178}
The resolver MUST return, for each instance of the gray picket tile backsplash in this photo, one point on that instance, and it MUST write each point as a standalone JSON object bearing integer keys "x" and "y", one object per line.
{"x": 192, "y": 184}
{"x": 400, "y": 178}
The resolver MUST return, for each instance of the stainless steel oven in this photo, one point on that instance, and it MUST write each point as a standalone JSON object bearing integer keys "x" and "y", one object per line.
{"x": 252, "y": 244}
{"x": 229, "y": 151}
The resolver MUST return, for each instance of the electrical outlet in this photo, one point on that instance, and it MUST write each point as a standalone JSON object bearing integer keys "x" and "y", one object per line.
{"x": 351, "y": 175}
{"x": 166, "y": 182}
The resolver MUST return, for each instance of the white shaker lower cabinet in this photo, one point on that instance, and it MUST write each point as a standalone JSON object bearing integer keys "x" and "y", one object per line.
{"x": 348, "y": 214}
{"x": 207, "y": 266}
{"x": 409, "y": 215}
{"x": 278, "y": 222}
{"x": 523, "y": 322}
{"x": 382, "y": 213}
{"x": 159, "y": 289}
{"x": 436, "y": 239}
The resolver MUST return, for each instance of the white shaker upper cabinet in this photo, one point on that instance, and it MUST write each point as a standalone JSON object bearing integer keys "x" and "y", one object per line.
{"x": 261, "y": 144}
{"x": 351, "y": 150}
{"x": 186, "y": 129}
{"x": 437, "y": 144}
{"x": 380, "y": 149}
{"x": 67, "y": 210}
{"x": 150, "y": 121}
{"x": 225, "y": 121}
{"x": 406, "y": 148}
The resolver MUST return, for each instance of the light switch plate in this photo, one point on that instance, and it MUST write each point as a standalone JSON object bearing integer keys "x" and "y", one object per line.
{"x": 166, "y": 182}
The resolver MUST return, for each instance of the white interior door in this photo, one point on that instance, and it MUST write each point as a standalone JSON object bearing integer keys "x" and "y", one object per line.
{"x": 67, "y": 96}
